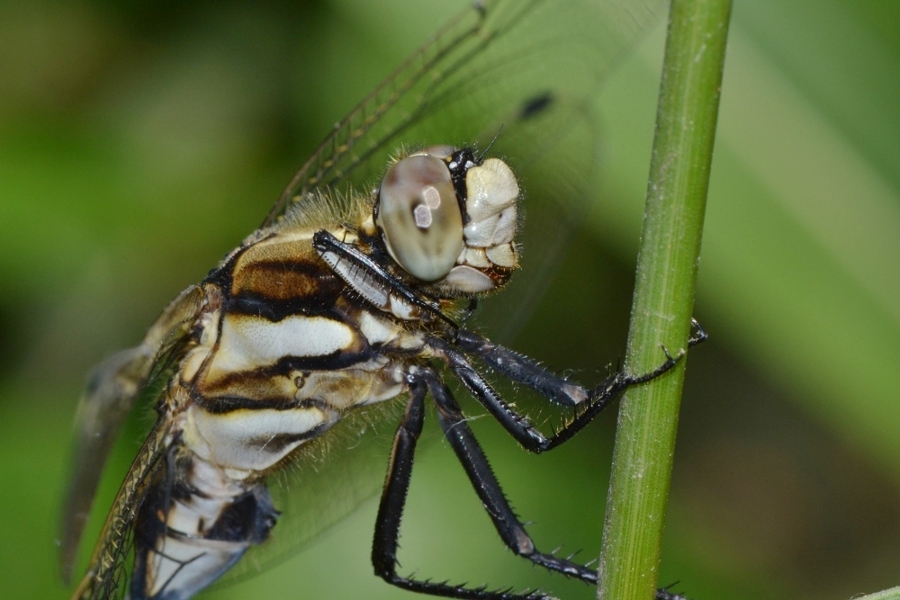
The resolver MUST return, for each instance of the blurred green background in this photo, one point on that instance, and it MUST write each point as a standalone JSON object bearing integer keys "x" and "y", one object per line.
{"x": 139, "y": 141}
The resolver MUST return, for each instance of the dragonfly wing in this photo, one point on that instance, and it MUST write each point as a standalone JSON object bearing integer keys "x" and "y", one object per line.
{"x": 109, "y": 396}
{"x": 108, "y": 572}
{"x": 493, "y": 63}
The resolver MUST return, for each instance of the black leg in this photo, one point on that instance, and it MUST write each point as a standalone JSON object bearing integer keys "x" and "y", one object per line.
{"x": 485, "y": 483}
{"x": 373, "y": 274}
{"x": 393, "y": 499}
{"x": 470, "y": 454}
{"x": 523, "y": 370}
{"x": 517, "y": 424}
{"x": 508, "y": 525}
{"x": 396, "y": 485}
{"x": 473, "y": 460}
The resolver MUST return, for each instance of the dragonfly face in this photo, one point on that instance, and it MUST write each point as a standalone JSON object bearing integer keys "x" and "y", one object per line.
{"x": 346, "y": 300}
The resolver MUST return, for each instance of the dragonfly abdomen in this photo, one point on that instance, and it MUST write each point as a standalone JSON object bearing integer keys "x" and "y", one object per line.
{"x": 194, "y": 524}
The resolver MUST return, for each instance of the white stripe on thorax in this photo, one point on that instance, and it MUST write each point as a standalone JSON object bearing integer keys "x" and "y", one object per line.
{"x": 248, "y": 342}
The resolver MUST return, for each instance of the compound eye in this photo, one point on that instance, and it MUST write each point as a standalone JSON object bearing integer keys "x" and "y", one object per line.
{"x": 420, "y": 217}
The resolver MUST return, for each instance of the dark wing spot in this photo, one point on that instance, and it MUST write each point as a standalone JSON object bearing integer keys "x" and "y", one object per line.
{"x": 535, "y": 105}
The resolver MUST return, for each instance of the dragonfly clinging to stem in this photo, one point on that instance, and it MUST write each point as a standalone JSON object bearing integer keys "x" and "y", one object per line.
{"x": 353, "y": 296}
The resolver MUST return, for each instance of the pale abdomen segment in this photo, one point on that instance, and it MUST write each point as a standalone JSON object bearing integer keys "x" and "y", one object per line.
{"x": 193, "y": 527}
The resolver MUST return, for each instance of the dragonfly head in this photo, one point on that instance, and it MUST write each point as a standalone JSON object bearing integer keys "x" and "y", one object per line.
{"x": 449, "y": 219}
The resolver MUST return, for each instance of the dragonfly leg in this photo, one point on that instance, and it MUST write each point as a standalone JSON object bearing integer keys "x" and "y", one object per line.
{"x": 614, "y": 386}
{"x": 396, "y": 486}
{"x": 470, "y": 454}
{"x": 522, "y": 369}
{"x": 516, "y": 424}
{"x": 510, "y": 528}
{"x": 393, "y": 499}
{"x": 520, "y": 427}
{"x": 483, "y": 480}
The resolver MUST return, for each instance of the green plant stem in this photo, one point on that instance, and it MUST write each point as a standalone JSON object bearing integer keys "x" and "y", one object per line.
{"x": 664, "y": 296}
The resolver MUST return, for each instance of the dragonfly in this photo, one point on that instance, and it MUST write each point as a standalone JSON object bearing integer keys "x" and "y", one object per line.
{"x": 353, "y": 297}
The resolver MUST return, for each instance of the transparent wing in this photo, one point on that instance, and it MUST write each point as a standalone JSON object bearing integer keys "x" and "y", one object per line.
{"x": 519, "y": 76}
{"x": 111, "y": 561}
{"x": 494, "y": 65}
{"x": 110, "y": 395}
